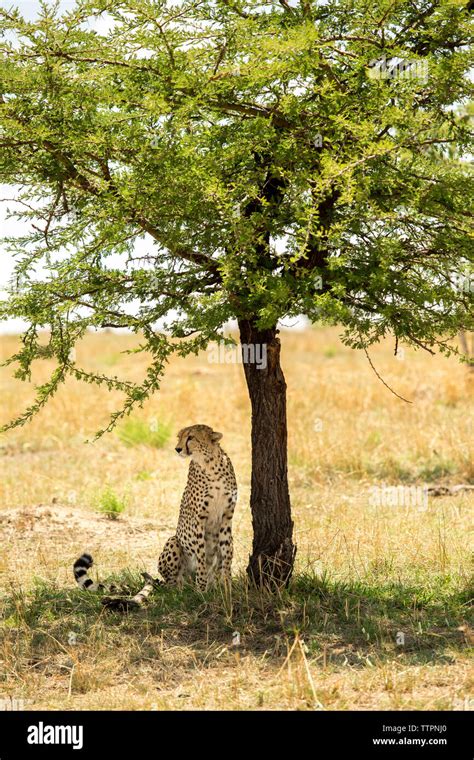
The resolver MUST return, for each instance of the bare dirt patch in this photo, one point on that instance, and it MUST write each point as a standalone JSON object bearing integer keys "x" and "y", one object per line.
{"x": 63, "y": 532}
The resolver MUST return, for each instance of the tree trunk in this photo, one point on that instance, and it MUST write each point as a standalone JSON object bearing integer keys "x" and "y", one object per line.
{"x": 273, "y": 553}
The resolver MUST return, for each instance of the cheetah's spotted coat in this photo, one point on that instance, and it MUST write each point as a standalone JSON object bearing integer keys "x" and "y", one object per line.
{"x": 202, "y": 547}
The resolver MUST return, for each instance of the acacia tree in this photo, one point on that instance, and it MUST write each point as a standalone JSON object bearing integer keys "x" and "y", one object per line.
{"x": 272, "y": 159}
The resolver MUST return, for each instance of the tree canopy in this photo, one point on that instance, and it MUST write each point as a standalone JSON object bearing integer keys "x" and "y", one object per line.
{"x": 250, "y": 160}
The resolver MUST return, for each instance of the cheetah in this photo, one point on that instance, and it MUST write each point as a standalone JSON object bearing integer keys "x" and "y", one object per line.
{"x": 202, "y": 547}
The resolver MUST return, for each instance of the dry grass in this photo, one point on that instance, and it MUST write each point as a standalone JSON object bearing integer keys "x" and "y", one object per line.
{"x": 364, "y": 572}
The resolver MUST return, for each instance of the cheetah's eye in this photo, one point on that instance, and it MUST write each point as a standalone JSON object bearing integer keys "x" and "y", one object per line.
{"x": 191, "y": 438}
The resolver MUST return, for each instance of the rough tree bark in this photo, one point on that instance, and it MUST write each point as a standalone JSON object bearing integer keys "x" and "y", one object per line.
{"x": 273, "y": 553}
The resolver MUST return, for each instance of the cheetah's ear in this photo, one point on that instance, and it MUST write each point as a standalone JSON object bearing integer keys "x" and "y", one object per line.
{"x": 216, "y": 437}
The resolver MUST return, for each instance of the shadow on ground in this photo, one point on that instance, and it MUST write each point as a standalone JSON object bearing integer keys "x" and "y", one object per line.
{"x": 342, "y": 623}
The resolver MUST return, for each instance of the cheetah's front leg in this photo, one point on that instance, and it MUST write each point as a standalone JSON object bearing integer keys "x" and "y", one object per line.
{"x": 226, "y": 547}
{"x": 202, "y": 569}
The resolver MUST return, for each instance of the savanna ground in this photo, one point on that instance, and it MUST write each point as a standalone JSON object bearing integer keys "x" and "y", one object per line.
{"x": 365, "y": 572}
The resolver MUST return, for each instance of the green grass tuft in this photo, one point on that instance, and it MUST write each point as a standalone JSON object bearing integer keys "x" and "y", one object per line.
{"x": 137, "y": 432}
{"x": 110, "y": 504}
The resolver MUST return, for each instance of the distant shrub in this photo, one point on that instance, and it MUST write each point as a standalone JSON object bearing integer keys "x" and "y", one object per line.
{"x": 110, "y": 504}
{"x": 143, "y": 475}
{"x": 432, "y": 471}
{"x": 136, "y": 432}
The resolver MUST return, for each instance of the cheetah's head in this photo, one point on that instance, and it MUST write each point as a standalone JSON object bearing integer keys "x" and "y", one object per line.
{"x": 197, "y": 440}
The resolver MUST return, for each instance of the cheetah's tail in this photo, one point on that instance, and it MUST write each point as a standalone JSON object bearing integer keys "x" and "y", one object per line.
{"x": 80, "y": 570}
{"x": 122, "y": 603}
{"x": 83, "y": 565}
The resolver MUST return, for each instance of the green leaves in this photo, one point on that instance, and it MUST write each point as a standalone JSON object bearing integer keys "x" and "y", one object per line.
{"x": 197, "y": 162}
